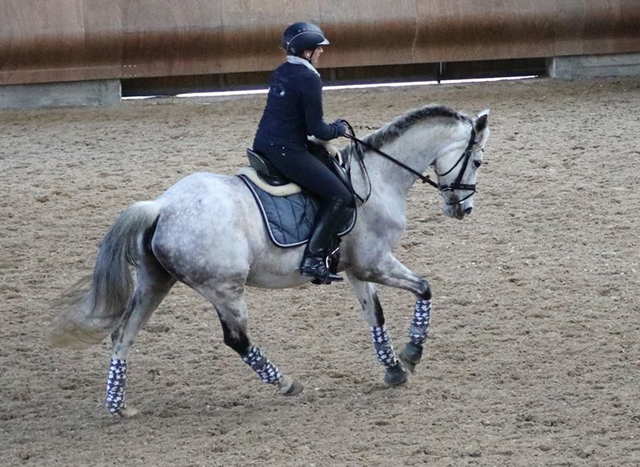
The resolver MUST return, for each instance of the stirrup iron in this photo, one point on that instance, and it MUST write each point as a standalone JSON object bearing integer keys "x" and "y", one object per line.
{"x": 321, "y": 272}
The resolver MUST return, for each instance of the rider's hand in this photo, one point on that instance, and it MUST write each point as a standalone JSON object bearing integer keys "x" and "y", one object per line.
{"x": 340, "y": 126}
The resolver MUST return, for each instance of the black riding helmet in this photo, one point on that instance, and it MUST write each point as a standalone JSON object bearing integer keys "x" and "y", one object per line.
{"x": 302, "y": 36}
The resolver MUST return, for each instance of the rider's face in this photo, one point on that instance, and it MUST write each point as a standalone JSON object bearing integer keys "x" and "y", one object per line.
{"x": 314, "y": 55}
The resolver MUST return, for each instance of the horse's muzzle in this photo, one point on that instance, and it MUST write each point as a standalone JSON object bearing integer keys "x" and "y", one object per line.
{"x": 457, "y": 210}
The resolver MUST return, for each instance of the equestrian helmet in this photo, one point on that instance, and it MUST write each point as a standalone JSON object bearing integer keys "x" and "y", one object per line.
{"x": 302, "y": 36}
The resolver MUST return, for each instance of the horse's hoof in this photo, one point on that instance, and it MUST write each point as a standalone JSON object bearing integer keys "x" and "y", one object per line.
{"x": 289, "y": 386}
{"x": 407, "y": 364}
{"x": 396, "y": 375}
{"x": 130, "y": 412}
{"x": 410, "y": 356}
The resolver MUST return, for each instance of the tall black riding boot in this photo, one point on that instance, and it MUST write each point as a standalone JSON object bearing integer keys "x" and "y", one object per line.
{"x": 315, "y": 256}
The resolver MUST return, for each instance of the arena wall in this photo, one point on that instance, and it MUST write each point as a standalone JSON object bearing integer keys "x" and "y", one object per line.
{"x": 79, "y": 40}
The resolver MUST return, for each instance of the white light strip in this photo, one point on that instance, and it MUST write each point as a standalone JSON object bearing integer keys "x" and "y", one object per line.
{"x": 138, "y": 98}
{"x": 346, "y": 86}
{"x": 247, "y": 92}
{"x": 426, "y": 83}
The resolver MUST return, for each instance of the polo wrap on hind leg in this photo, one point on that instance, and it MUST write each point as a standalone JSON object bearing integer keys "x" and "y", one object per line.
{"x": 384, "y": 348}
{"x": 116, "y": 386}
{"x": 267, "y": 371}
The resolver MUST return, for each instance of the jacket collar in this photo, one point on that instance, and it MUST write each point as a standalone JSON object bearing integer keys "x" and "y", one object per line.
{"x": 301, "y": 61}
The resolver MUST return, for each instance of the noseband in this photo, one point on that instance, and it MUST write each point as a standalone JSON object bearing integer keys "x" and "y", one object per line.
{"x": 456, "y": 185}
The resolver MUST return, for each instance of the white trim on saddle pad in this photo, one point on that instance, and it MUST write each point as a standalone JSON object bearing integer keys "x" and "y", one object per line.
{"x": 283, "y": 190}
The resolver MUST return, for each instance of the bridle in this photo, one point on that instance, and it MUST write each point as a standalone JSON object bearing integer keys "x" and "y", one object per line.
{"x": 456, "y": 185}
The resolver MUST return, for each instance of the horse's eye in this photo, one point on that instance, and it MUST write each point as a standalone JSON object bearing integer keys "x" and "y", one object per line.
{"x": 477, "y": 163}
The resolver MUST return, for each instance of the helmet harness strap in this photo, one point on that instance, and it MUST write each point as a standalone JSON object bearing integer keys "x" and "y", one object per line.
{"x": 308, "y": 59}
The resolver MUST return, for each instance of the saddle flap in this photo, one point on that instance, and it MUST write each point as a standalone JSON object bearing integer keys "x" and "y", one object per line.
{"x": 320, "y": 152}
{"x": 341, "y": 173}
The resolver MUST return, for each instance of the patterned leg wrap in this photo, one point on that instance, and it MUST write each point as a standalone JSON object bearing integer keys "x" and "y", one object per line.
{"x": 267, "y": 371}
{"x": 419, "y": 330}
{"x": 115, "y": 386}
{"x": 383, "y": 346}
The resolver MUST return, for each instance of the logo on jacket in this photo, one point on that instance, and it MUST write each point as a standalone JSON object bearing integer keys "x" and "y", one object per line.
{"x": 277, "y": 86}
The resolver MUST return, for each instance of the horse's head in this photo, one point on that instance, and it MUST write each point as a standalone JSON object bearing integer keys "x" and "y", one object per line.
{"x": 457, "y": 167}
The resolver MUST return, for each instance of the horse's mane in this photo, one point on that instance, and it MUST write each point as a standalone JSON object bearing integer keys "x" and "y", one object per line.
{"x": 394, "y": 129}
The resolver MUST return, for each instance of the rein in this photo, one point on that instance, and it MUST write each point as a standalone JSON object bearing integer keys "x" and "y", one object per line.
{"x": 424, "y": 178}
{"x": 456, "y": 185}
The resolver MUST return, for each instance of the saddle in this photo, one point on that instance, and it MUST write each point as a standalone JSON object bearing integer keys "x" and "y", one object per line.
{"x": 289, "y": 212}
{"x": 274, "y": 181}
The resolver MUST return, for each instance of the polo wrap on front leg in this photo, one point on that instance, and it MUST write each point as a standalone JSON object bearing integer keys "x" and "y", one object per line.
{"x": 419, "y": 329}
{"x": 383, "y": 346}
{"x": 116, "y": 386}
{"x": 267, "y": 371}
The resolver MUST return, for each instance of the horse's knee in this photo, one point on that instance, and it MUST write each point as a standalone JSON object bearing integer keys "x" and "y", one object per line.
{"x": 425, "y": 294}
{"x": 239, "y": 343}
{"x": 235, "y": 339}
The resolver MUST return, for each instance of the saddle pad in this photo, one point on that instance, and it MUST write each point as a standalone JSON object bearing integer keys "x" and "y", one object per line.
{"x": 290, "y": 219}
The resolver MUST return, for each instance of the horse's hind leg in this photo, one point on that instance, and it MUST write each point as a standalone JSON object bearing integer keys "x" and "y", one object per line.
{"x": 229, "y": 302}
{"x": 153, "y": 284}
{"x": 372, "y": 313}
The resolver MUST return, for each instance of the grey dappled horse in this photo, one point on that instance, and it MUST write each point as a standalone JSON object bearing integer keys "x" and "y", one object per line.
{"x": 206, "y": 231}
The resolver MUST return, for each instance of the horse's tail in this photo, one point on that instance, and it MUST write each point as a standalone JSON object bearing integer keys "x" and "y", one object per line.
{"x": 96, "y": 305}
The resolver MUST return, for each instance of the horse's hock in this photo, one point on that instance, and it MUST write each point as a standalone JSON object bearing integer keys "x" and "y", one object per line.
{"x": 113, "y": 41}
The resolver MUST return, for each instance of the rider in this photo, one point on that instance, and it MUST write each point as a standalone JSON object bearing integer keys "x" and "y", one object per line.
{"x": 293, "y": 111}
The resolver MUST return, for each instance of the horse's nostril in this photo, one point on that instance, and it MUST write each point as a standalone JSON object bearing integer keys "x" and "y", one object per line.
{"x": 468, "y": 210}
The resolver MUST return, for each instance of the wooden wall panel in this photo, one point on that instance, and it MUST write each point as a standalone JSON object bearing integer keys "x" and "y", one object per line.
{"x": 364, "y": 32}
{"x": 59, "y": 40}
{"x": 167, "y": 37}
{"x": 490, "y": 29}
{"x": 253, "y": 42}
{"x": 67, "y": 40}
{"x": 58, "y": 29}
{"x": 597, "y": 26}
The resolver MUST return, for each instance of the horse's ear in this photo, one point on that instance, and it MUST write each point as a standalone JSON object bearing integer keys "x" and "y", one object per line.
{"x": 481, "y": 122}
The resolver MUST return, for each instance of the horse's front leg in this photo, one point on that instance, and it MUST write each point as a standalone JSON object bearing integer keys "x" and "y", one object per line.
{"x": 373, "y": 315}
{"x": 391, "y": 272}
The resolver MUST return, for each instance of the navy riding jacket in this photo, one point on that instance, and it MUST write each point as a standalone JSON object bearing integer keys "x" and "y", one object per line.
{"x": 294, "y": 110}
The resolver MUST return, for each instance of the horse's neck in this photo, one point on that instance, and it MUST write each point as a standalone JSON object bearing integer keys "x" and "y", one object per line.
{"x": 418, "y": 149}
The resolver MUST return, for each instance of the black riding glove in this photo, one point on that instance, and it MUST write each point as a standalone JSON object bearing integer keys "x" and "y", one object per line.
{"x": 340, "y": 127}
